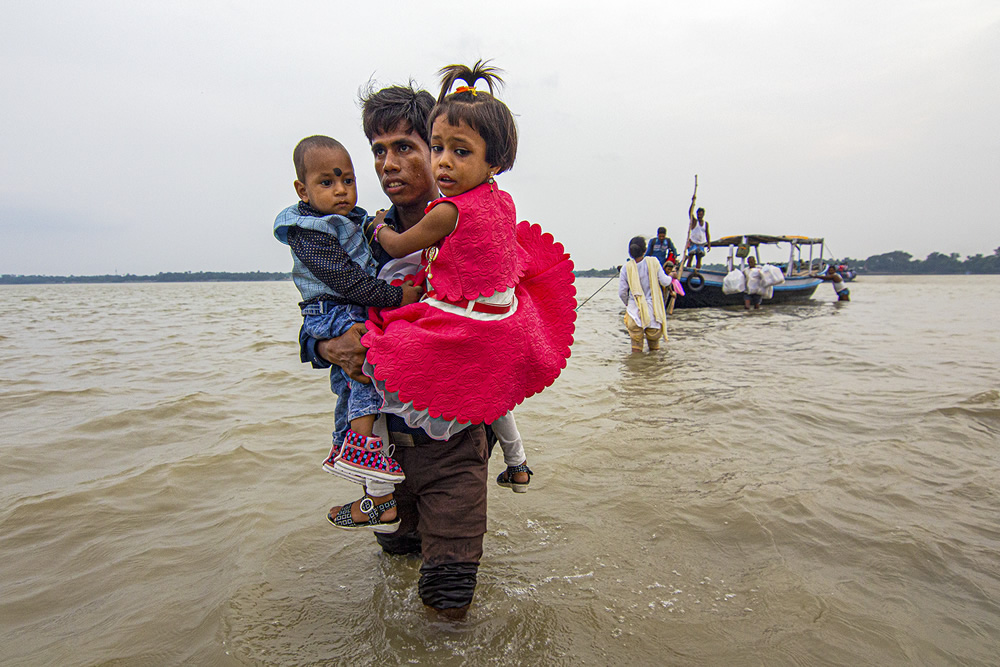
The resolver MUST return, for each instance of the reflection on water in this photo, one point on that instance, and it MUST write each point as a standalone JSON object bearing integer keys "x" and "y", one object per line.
{"x": 808, "y": 484}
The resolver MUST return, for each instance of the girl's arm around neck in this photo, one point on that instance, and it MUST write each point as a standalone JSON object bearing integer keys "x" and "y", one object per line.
{"x": 433, "y": 227}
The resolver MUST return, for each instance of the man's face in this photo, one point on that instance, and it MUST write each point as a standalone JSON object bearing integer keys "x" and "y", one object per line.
{"x": 329, "y": 186}
{"x": 661, "y": 235}
{"x": 403, "y": 166}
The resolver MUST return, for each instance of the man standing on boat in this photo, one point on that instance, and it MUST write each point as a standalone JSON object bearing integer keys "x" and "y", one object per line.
{"x": 698, "y": 236}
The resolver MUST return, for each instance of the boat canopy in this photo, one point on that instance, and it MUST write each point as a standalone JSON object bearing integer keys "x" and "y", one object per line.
{"x": 757, "y": 239}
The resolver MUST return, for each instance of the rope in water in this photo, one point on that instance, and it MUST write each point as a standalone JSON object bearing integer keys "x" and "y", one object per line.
{"x": 598, "y": 290}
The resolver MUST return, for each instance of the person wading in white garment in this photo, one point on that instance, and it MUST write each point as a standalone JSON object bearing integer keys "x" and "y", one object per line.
{"x": 645, "y": 315}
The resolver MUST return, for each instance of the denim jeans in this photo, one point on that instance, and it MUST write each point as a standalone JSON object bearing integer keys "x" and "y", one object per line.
{"x": 354, "y": 399}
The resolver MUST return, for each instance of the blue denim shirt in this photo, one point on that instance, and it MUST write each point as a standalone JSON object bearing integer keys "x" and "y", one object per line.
{"x": 346, "y": 230}
{"x": 307, "y": 344}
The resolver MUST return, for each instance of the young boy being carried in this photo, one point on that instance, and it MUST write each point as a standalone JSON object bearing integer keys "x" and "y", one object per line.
{"x": 335, "y": 274}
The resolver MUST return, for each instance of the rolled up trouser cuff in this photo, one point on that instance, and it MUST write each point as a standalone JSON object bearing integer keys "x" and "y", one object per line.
{"x": 448, "y": 585}
{"x": 399, "y": 544}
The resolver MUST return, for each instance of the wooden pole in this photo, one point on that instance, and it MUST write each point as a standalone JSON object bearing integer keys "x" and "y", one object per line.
{"x": 680, "y": 267}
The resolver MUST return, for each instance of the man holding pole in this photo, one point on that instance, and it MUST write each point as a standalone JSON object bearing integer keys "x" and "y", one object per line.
{"x": 698, "y": 236}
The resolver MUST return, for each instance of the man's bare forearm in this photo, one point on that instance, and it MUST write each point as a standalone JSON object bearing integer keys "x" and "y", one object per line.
{"x": 346, "y": 351}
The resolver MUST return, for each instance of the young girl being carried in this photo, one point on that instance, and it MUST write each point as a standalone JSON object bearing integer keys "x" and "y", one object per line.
{"x": 497, "y": 320}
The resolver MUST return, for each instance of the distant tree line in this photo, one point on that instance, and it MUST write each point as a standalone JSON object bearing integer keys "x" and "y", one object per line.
{"x": 936, "y": 263}
{"x": 896, "y": 262}
{"x": 170, "y": 277}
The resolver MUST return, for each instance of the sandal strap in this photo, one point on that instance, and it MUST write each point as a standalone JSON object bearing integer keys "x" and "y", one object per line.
{"x": 523, "y": 467}
{"x": 374, "y": 511}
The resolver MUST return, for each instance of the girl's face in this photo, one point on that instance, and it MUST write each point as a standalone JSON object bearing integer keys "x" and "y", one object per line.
{"x": 458, "y": 157}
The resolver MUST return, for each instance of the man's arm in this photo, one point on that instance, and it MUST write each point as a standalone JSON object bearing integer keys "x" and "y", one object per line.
{"x": 345, "y": 351}
{"x": 664, "y": 278}
{"x": 623, "y": 286}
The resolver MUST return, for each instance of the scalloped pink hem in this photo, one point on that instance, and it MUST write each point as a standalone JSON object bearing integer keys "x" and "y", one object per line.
{"x": 473, "y": 370}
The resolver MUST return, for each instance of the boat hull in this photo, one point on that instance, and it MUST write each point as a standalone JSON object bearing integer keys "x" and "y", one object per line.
{"x": 793, "y": 290}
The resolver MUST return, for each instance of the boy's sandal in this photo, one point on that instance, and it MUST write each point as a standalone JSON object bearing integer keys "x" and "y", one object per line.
{"x": 506, "y": 478}
{"x": 343, "y": 518}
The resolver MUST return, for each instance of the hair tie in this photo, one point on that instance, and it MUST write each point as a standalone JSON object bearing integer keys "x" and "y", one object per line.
{"x": 466, "y": 89}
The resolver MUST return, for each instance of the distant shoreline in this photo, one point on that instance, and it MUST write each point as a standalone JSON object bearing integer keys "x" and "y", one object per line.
{"x": 185, "y": 277}
{"x": 889, "y": 264}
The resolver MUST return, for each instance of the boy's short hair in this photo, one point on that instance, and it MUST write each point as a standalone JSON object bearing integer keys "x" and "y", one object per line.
{"x": 700, "y": 210}
{"x": 637, "y": 247}
{"x": 384, "y": 110}
{"x": 661, "y": 230}
{"x": 306, "y": 145}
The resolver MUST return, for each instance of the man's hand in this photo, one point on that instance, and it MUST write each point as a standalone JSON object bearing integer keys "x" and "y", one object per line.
{"x": 411, "y": 294}
{"x": 346, "y": 351}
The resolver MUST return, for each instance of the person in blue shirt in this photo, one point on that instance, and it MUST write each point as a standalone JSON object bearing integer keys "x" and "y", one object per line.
{"x": 661, "y": 247}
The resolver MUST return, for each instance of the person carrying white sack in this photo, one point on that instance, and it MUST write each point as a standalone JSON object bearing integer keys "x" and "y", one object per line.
{"x": 645, "y": 314}
{"x": 755, "y": 287}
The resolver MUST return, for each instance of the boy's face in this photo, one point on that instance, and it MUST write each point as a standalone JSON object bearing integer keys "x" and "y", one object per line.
{"x": 329, "y": 186}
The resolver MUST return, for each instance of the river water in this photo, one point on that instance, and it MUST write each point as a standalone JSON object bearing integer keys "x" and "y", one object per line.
{"x": 802, "y": 485}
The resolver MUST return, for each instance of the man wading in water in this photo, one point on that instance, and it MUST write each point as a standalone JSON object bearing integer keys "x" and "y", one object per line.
{"x": 442, "y": 502}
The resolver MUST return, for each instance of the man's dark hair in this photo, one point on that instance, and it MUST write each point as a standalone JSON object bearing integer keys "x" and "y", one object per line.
{"x": 480, "y": 110}
{"x": 661, "y": 230}
{"x": 384, "y": 110}
{"x": 306, "y": 145}
{"x": 637, "y": 247}
{"x": 700, "y": 210}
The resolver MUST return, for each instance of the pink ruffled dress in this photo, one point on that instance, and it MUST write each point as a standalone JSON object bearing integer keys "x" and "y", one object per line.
{"x": 495, "y": 327}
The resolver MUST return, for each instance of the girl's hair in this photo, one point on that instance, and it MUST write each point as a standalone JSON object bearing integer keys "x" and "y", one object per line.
{"x": 480, "y": 110}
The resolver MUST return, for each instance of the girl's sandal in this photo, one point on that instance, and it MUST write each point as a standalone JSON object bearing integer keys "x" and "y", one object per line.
{"x": 506, "y": 478}
{"x": 342, "y": 519}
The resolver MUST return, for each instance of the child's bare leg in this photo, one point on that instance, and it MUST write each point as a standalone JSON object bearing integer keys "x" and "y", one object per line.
{"x": 363, "y": 425}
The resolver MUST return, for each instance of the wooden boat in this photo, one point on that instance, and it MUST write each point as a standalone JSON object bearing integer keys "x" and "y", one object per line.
{"x": 704, "y": 288}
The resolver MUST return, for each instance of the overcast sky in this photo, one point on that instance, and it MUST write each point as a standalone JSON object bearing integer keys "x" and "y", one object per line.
{"x": 145, "y": 137}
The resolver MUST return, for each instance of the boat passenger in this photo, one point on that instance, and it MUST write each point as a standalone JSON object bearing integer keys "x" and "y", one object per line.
{"x": 662, "y": 248}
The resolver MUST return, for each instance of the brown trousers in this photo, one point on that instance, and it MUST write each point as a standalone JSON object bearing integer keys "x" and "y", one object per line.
{"x": 442, "y": 508}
